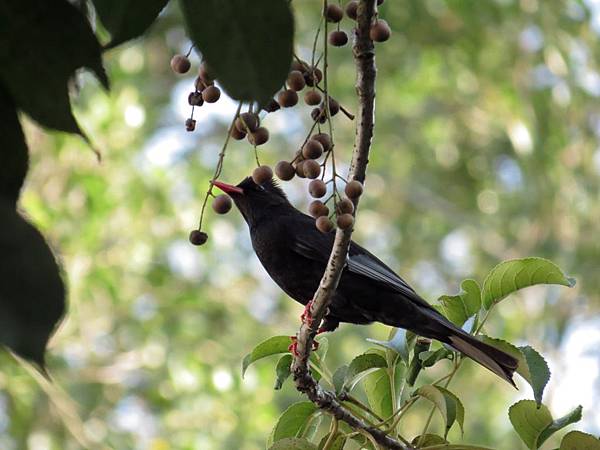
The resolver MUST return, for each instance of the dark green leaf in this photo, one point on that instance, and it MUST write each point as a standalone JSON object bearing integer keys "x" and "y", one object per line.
{"x": 283, "y": 370}
{"x": 448, "y": 404}
{"x": 577, "y": 440}
{"x": 360, "y": 364}
{"x": 377, "y": 388}
{"x": 458, "y": 308}
{"x": 42, "y": 43}
{"x": 537, "y": 375}
{"x": 272, "y": 346}
{"x": 32, "y": 295}
{"x": 293, "y": 444}
{"x": 427, "y": 440}
{"x": 247, "y": 44}
{"x": 510, "y": 276}
{"x": 337, "y": 443}
{"x": 291, "y": 422}
{"x": 538, "y": 371}
{"x": 127, "y": 19}
{"x": 529, "y": 421}
{"x": 14, "y": 156}
{"x": 558, "y": 424}
{"x": 339, "y": 376}
{"x": 429, "y": 358}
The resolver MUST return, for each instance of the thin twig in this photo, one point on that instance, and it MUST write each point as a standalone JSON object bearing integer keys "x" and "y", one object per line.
{"x": 364, "y": 56}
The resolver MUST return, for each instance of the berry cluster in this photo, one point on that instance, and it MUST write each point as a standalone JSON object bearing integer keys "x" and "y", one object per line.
{"x": 204, "y": 86}
{"x": 311, "y": 159}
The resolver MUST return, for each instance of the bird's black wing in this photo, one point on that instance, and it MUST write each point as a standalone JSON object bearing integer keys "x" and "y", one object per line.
{"x": 313, "y": 244}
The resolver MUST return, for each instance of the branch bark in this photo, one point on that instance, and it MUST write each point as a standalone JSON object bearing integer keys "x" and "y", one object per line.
{"x": 364, "y": 57}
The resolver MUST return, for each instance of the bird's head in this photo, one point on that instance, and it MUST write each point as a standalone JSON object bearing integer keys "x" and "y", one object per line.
{"x": 256, "y": 201}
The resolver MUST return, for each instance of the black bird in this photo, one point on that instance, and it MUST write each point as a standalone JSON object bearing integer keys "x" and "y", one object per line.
{"x": 295, "y": 254}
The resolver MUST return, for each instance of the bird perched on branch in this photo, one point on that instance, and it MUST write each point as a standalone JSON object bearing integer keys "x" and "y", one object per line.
{"x": 295, "y": 253}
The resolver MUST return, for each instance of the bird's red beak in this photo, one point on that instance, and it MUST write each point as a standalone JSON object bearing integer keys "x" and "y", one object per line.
{"x": 228, "y": 188}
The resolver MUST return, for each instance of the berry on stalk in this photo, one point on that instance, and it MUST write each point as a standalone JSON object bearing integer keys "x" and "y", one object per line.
{"x": 334, "y": 13}
{"x": 262, "y": 174}
{"x": 317, "y": 188}
{"x": 222, "y": 204}
{"x": 317, "y": 209}
{"x": 259, "y": 137}
{"x": 180, "y": 64}
{"x": 285, "y": 171}
{"x": 380, "y": 31}
{"x": 354, "y": 189}
{"x": 324, "y": 225}
{"x": 312, "y": 98}
{"x": 338, "y": 38}
{"x": 287, "y": 98}
{"x": 211, "y": 94}
{"x": 311, "y": 168}
{"x": 313, "y": 149}
{"x": 198, "y": 237}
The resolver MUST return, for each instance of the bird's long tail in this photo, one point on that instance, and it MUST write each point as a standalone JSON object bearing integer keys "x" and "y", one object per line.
{"x": 499, "y": 362}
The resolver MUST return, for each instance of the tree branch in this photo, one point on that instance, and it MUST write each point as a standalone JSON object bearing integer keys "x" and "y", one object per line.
{"x": 364, "y": 56}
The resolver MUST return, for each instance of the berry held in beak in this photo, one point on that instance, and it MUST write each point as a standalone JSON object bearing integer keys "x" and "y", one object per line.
{"x": 228, "y": 188}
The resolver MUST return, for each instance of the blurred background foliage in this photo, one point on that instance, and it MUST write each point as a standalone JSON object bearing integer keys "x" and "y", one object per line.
{"x": 486, "y": 148}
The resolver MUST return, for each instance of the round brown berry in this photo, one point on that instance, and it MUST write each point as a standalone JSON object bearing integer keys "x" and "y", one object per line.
{"x": 324, "y": 225}
{"x": 247, "y": 122}
{"x": 345, "y": 206}
{"x": 317, "y": 188}
{"x": 300, "y": 169}
{"x": 285, "y": 171}
{"x": 380, "y": 31}
{"x": 262, "y": 174}
{"x": 312, "y": 169}
{"x": 198, "y": 237}
{"x": 334, "y": 106}
{"x": 195, "y": 99}
{"x": 180, "y": 64}
{"x": 313, "y": 76}
{"x": 259, "y": 137}
{"x": 324, "y": 139}
{"x": 338, "y": 38}
{"x": 287, "y": 98}
{"x": 295, "y": 80}
{"x": 334, "y": 13}
{"x": 298, "y": 65}
{"x": 345, "y": 221}
{"x": 211, "y": 94}
{"x": 237, "y": 134}
{"x": 318, "y": 115}
{"x": 312, "y": 149}
{"x": 354, "y": 189}
{"x": 271, "y": 106}
{"x": 199, "y": 84}
{"x": 312, "y": 98}
{"x": 221, "y": 204}
{"x": 190, "y": 124}
{"x": 318, "y": 209}
{"x": 351, "y": 8}
{"x": 205, "y": 74}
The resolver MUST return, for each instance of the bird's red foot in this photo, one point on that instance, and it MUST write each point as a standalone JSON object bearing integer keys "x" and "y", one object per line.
{"x": 306, "y": 315}
{"x": 293, "y": 347}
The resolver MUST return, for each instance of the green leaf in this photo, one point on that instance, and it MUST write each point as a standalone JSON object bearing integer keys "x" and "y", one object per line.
{"x": 127, "y": 19}
{"x": 323, "y": 347}
{"x": 538, "y": 371}
{"x": 359, "y": 365}
{"x": 532, "y": 366}
{"x": 577, "y": 440}
{"x": 448, "y": 404}
{"x": 458, "y": 308}
{"x": 377, "y": 388}
{"x": 337, "y": 444}
{"x": 32, "y": 294}
{"x": 293, "y": 444}
{"x": 427, "y": 440}
{"x": 247, "y": 44}
{"x": 283, "y": 370}
{"x": 14, "y": 156}
{"x": 429, "y": 358}
{"x": 529, "y": 421}
{"x": 457, "y": 447}
{"x": 339, "y": 376}
{"x": 558, "y": 424}
{"x": 272, "y": 346}
{"x": 291, "y": 422}
{"x": 510, "y": 276}
{"x": 42, "y": 43}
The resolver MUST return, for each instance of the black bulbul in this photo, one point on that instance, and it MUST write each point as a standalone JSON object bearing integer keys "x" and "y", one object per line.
{"x": 295, "y": 255}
